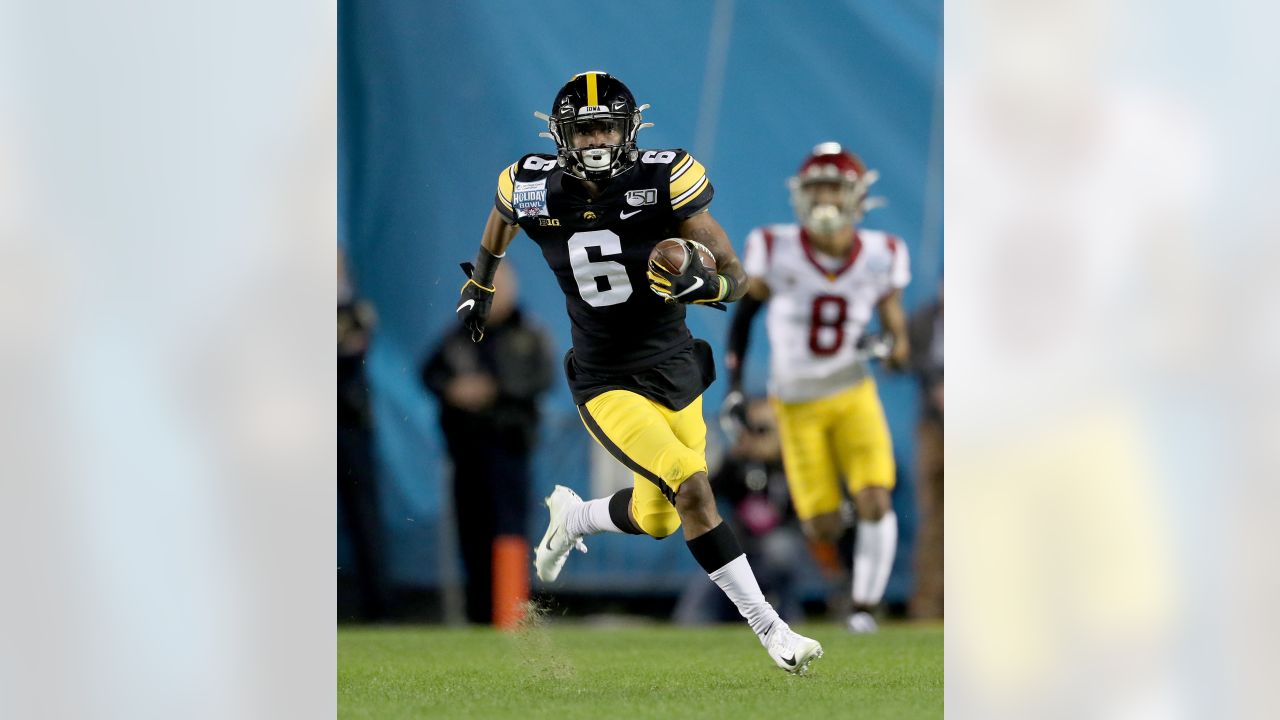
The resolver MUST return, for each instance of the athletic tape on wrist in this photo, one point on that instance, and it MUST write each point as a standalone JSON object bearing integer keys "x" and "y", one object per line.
{"x": 486, "y": 268}
{"x": 727, "y": 286}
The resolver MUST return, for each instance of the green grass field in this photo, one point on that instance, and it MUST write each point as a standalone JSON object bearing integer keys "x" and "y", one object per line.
{"x": 566, "y": 670}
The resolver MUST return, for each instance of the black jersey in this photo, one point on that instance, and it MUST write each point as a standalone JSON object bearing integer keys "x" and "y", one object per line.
{"x": 624, "y": 335}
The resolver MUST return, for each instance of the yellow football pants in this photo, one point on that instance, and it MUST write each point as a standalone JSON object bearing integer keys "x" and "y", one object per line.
{"x": 842, "y": 434}
{"x": 661, "y": 446}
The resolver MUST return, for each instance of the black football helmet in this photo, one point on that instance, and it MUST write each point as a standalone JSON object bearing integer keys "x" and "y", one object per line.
{"x": 592, "y": 108}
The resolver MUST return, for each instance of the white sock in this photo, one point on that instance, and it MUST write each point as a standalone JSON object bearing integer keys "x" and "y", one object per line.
{"x": 589, "y": 518}
{"x": 739, "y": 583}
{"x": 873, "y": 558}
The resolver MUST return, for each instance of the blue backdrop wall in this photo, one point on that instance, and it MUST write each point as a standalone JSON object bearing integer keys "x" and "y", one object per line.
{"x": 436, "y": 97}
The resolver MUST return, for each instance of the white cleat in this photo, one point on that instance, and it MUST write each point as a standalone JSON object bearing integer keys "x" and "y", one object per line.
{"x": 549, "y": 556}
{"x": 861, "y": 623}
{"x": 791, "y": 651}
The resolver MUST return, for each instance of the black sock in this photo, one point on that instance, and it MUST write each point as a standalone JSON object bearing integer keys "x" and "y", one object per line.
{"x": 715, "y": 548}
{"x": 619, "y": 512}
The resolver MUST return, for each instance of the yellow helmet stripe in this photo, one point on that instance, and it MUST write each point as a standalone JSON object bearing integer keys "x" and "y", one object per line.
{"x": 593, "y": 95}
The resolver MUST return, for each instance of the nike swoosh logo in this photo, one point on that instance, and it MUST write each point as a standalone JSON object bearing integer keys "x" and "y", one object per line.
{"x": 791, "y": 660}
{"x": 697, "y": 283}
{"x": 626, "y": 215}
{"x": 547, "y": 544}
{"x": 468, "y": 305}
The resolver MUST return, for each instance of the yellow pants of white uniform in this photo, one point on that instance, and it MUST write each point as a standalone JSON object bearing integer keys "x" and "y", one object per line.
{"x": 844, "y": 434}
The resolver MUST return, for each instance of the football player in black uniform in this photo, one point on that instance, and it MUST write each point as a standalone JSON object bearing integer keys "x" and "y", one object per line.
{"x": 596, "y": 209}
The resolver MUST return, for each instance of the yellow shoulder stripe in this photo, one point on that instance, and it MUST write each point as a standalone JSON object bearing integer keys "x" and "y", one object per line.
{"x": 691, "y": 194}
{"x": 506, "y": 184}
{"x": 681, "y": 166}
{"x": 684, "y": 178}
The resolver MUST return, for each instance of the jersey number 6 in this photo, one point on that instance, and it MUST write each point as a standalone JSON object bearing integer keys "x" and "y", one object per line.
{"x": 656, "y": 157}
{"x": 616, "y": 285}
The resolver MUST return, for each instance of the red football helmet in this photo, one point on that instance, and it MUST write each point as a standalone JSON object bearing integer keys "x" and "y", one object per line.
{"x": 831, "y": 165}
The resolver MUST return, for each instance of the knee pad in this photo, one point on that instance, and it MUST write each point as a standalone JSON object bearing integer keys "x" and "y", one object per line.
{"x": 679, "y": 463}
{"x": 658, "y": 523}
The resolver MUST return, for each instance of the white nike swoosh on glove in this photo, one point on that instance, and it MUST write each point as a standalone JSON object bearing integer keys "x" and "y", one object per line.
{"x": 697, "y": 283}
{"x": 468, "y": 305}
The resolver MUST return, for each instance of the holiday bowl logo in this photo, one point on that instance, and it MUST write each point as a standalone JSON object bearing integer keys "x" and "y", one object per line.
{"x": 530, "y": 198}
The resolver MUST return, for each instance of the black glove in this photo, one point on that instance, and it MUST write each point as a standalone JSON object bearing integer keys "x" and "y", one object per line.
{"x": 697, "y": 284}
{"x": 474, "y": 303}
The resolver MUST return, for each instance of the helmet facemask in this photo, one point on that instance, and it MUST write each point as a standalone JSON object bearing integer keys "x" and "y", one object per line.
{"x": 833, "y": 210}
{"x": 594, "y": 123}
{"x": 830, "y": 190}
{"x": 584, "y": 147}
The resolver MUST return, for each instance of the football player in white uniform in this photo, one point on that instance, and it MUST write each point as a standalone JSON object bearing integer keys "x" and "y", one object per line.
{"x": 822, "y": 278}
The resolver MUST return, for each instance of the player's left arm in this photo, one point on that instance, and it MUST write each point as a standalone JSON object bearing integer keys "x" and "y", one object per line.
{"x": 704, "y": 229}
{"x": 893, "y": 319}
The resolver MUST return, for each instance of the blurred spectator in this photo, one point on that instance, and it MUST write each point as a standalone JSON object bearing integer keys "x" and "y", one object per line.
{"x": 488, "y": 396}
{"x": 357, "y": 482}
{"x": 752, "y": 481}
{"x": 925, "y": 330}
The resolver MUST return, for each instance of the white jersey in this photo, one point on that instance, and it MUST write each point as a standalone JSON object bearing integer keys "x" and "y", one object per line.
{"x": 820, "y": 306}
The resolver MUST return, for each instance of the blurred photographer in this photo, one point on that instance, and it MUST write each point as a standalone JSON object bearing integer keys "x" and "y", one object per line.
{"x": 357, "y": 482}
{"x": 925, "y": 330}
{"x": 488, "y": 396}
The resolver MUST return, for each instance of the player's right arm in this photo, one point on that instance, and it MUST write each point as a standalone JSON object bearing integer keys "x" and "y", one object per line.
{"x": 735, "y": 403}
{"x": 740, "y": 329}
{"x": 498, "y": 234}
{"x": 755, "y": 264}
{"x": 500, "y": 229}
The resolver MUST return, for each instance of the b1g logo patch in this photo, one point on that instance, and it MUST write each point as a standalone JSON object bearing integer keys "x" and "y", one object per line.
{"x": 529, "y": 199}
{"x": 648, "y": 196}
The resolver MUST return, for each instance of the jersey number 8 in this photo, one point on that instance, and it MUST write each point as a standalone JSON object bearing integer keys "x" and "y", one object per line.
{"x": 828, "y": 313}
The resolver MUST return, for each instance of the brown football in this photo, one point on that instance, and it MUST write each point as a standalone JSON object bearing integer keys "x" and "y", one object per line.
{"x": 670, "y": 254}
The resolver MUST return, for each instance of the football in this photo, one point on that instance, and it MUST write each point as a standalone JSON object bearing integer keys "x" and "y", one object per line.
{"x": 672, "y": 255}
